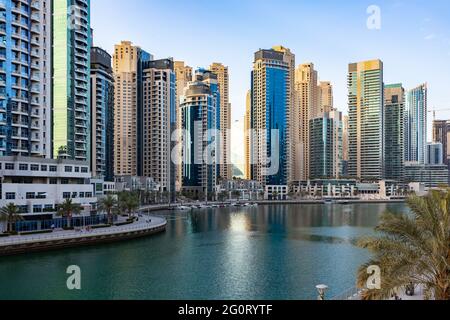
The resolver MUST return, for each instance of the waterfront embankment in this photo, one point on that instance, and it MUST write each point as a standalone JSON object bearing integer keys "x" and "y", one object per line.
{"x": 20, "y": 244}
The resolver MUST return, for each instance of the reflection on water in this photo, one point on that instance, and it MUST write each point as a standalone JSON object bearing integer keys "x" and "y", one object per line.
{"x": 265, "y": 252}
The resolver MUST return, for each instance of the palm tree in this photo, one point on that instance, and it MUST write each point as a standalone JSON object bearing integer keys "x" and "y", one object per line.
{"x": 128, "y": 202}
{"x": 108, "y": 205}
{"x": 11, "y": 215}
{"x": 68, "y": 209}
{"x": 412, "y": 249}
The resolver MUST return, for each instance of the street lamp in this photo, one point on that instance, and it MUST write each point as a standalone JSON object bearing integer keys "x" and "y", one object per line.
{"x": 321, "y": 288}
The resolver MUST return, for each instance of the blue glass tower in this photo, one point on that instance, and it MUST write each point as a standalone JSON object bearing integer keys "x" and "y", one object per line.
{"x": 25, "y": 73}
{"x": 271, "y": 101}
{"x": 199, "y": 108}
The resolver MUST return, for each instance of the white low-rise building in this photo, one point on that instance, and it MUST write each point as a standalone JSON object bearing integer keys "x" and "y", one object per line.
{"x": 37, "y": 185}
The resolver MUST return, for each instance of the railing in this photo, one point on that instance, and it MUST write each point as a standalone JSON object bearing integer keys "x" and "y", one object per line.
{"x": 350, "y": 294}
{"x": 77, "y": 235}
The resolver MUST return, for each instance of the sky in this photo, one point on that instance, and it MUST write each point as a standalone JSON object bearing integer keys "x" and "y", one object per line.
{"x": 413, "y": 40}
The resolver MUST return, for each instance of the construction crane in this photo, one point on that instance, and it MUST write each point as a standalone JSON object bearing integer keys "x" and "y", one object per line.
{"x": 434, "y": 112}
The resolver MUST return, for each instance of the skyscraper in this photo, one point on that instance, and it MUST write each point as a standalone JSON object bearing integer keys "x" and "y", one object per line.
{"x": 225, "y": 167}
{"x": 366, "y": 150}
{"x": 128, "y": 122}
{"x": 247, "y": 135}
{"x": 326, "y": 145}
{"x": 71, "y": 73}
{"x": 102, "y": 115}
{"x": 345, "y": 146}
{"x": 435, "y": 153}
{"x": 441, "y": 133}
{"x": 325, "y": 92}
{"x": 394, "y": 114}
{"x": 270, "y": 117}
{"x": 306, "y": 108}
{"x": 199, "y": 119}
{"x": 159, "y": 118}
{"x": 183, "y": 75}
{"x": 25, "y": 78}
{"x": 416, "y": 125}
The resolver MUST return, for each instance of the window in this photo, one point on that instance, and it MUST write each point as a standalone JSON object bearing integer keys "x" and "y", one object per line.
{"x": 68, "y": 168}
{"x": 66, "y": 195}
{"x": 10, "y": 196}
{"x": 23, "y": 167}
{"x": 44, "y": 168}
{"x": 9, "y": 166}
{"x": 53, "y": 169}
{"x": 34, "y": 167}
{"x": 30, "y": 195}
{"x": 84, "y": 170}
{"x": 53, "y": 181}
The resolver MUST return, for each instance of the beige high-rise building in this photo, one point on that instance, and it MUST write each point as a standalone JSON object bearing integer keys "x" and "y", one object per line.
{"x": 183, "y": 74}
{"x": 158, "y": 94}
{"x": 226, "y": 168}
{"x": 126, "y": 119}
{"x": 325, "y": 96}
{"x": 247, "y": 136}
{"x": 306, "y": 108}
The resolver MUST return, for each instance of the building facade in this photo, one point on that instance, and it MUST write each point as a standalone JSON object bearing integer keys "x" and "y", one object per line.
{"x": 247, "y": 136}
{"x": 435, "y": 153}
{"x": 25, "y": 78}
{"x": 128, "y": 121}
{"x": 71, "y": 73}
{"x": 366, "y": 114}
{"x": 416, "y": 125}
{"x": 37, "y": 185}
{"x": 224, "y": 125}
{"x": 441, "y": 134}
{"x": 306, "y": 108}
{"x": 199, "y": 120}
{"x": 394, "y": 137}
{"x": 326, "y": 153}
{"x": 270, "y": 117}
{"x": 432, "y": 176}
{"x": 183, "y": 75}
{"x": 326, "y": 100}
{"x": 102, "y": 115}
{"x": 159, "y": 118}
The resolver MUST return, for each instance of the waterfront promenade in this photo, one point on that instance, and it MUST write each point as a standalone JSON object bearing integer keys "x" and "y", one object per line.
{"x": 146, "y": 225}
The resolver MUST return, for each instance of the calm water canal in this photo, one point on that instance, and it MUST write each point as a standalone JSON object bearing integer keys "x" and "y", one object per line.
{"x": 265, "y": 252}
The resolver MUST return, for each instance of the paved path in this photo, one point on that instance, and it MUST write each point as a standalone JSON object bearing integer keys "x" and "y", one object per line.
{"x": 144, "y": 223}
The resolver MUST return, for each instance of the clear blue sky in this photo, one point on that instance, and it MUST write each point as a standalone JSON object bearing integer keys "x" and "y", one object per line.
{"x": 413, "y": 42}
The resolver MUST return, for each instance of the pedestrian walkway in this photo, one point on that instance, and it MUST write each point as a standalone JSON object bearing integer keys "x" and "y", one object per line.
{"x": 144, "y": 223}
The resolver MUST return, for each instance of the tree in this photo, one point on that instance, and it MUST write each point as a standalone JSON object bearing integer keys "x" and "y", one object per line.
{"x": 412, "y": 249}
{"x": 11, "y": 215}
{"x": 109, "y": 205}
{"x": 68, "y": 209}
{"x": 129, "y": 202}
